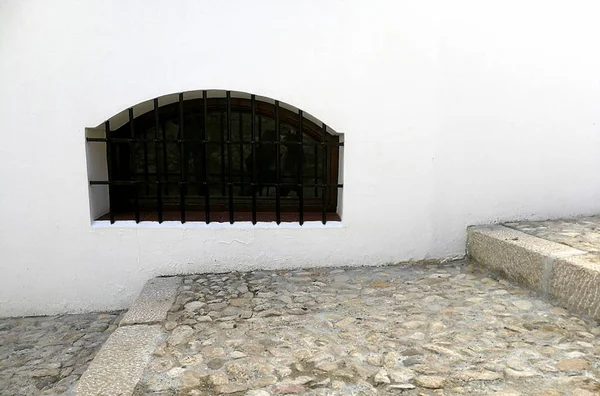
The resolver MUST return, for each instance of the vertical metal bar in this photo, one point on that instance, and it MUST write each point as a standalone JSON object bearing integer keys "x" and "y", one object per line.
{"x": 133, "y": 165}
{"x": 253, "y": 143}
{"x": 241, "y": 135}
{"x": 278, "y": 165}
{"x": 229, "y": 159}
{"x": 205, "y": 157}
{"x": 221, "y": 126}
{"x": 146, "y": 173}
{"x": 111, "y": 212}
{"x": 325, "y": 181}
{"x": 316, "y": 154}
{"x": 260, "y": 186}
{"x": 157, "y": 155}
{"x": 182, "y": 164}
{"x": 165, "y": 160}
{"x": 300, "y": 168}
{"x": 259, "y": 127}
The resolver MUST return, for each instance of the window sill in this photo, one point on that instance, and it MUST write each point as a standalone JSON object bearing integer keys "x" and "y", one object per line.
{"x": 215, "y": 225}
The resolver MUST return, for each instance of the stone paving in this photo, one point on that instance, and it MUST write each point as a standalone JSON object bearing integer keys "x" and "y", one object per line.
{"x": 426, "y": 329}
{"x": 47, "y": 355}
{"x": 581, "y": 233}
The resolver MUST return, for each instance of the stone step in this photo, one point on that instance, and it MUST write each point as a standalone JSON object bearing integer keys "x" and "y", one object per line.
{"x": 120, "y": 363}
{"x": 568, "y": 276}
{"x": 153, "y": 303}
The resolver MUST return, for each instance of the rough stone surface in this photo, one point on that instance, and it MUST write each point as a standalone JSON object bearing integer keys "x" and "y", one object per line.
{"x": 582, "y": 233}
{"x": 573, "y": 365}
{"x": 430, "y": 329}
{"x": 518, "y": 256}
{"x": 575, "y": 282}
{"x": 430, "y": 381}
{"x": 47, "y": 355}
{"x": 180, "y": 335}
{"x": 120, "y": 363}
{"x": 154, "y": 301}
{"x": 560, "y": 270}
{"x": 575, "y": 279}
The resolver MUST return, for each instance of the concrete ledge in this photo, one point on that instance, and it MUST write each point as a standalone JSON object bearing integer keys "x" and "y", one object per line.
{"x": 558, "y": 271}
{"x": 153, "y": 303}
{"x": 120, "y": 363}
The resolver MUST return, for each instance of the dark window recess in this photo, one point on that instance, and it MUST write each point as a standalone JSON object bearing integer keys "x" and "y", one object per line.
{"x": 221, "y": 159}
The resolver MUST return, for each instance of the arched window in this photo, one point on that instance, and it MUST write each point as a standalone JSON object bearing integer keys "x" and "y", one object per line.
{"x": 220, "y": 157}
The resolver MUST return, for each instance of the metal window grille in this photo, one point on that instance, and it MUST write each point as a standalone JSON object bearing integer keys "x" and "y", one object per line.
{"x": 221, "y": 159}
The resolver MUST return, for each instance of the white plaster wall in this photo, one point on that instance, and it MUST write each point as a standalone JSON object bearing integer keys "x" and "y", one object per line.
{"x": 454, "y": 113}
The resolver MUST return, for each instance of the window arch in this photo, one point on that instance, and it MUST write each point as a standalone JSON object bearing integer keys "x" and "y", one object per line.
{"x": 220, "y": 156}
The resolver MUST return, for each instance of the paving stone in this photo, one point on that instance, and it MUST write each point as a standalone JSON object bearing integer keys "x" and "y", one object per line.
{"x": 194, "y": 306}
{"x": 401, "y": 376}
{"x": 257, "y": 392}
{"x": 430, "y": 381}
{"x": 189, "y": 379}
{"x": 523, "y": 304}
{"x": 218, "y": 378}
{"x": 38, "y": 356}
{"x": 180, "y": 335}
{"x": 381, "y": 377}
{"x": 572, "y": 365}
{"x": 347, "y": 331}
{"x": 402, "y": 387}
{"x": 475, "y": 375}
{"x": 230, "y": 388}
{"x": 385, "y": 330}
{"x": 510, "y": 373}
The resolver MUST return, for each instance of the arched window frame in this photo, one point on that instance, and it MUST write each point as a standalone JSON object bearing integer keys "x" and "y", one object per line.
{"x": 133, "y": 133}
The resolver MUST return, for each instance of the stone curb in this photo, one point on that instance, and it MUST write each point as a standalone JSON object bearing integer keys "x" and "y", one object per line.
{"x": 120, "y": 363}
{"x": 154, "y": 302}
{"x": 560, "y": 272}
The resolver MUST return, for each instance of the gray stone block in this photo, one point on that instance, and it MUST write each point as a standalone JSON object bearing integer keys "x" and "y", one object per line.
{"x": 567, "y": 275}
{"x": 575, "y": 282}
{"x": 153, "y": 303}
{"x": 518, "y": 256}
{"x": 120, "y": 363}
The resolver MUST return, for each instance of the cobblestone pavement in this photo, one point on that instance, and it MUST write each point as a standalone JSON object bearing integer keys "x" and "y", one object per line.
{"x": 47, "y": 355}
{"x": 582, "y": 233}
{"x": 400, "y": 330}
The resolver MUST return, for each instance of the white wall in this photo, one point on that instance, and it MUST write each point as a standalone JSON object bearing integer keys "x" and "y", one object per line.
{"x": 454, "y": 113}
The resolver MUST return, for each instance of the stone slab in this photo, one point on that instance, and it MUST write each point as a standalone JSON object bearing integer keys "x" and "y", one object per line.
{"x": 120, "y": 363}
{"x": 154, "y": 302}
{"x": 569, "y": 276}
{"x": 575, "y": 281}
{"x": 582, "y": 233}
{"x": 518, "y": 256}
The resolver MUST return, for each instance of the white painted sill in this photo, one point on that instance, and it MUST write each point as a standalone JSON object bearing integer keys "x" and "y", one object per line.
{"x": 215, "y": 225}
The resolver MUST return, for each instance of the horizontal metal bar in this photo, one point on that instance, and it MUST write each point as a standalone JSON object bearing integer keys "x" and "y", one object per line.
{"x": 210, "y": 175}
{"x": 201, "y": 141}
{"x": 215, "y": 183}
